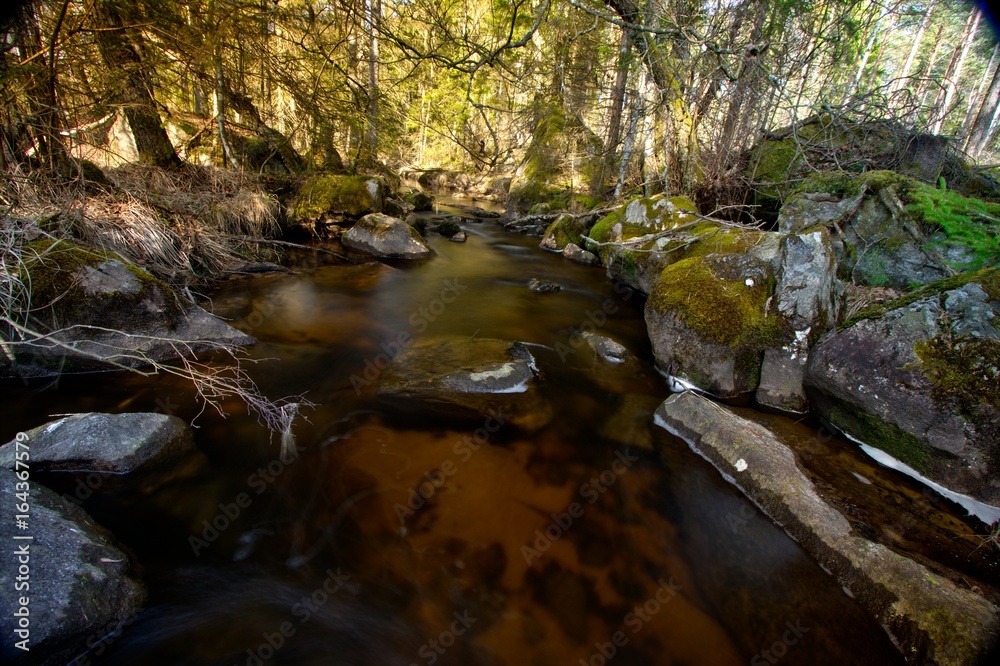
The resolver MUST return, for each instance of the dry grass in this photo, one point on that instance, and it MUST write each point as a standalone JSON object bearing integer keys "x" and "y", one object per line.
{"x": 175, "y": 224}
{"x": 860, "y": 298}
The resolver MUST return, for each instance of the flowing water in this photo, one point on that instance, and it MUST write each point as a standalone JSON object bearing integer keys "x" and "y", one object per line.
{"x": 409, "y": 539}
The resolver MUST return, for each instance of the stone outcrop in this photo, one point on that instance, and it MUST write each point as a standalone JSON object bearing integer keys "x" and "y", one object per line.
{"x": 930, "y": 618}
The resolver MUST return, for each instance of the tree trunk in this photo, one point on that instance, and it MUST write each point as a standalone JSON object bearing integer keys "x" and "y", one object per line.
{"x": 922, "y": 89}
{"x": 373, "y": 19}
{"x": 913, "y": 49}
{"x": 982, "y": 127}
{"x": 977, "y": 95}
{"x": 615, "y": 113}
{"x": 135, "y": 94}
{"x": 954, "y": 72}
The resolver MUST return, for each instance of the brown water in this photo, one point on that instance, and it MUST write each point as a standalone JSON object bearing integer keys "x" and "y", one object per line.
{"x": 413, "y": 540}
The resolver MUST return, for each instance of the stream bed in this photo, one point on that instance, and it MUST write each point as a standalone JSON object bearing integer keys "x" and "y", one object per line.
{"x": 395, "y": 538}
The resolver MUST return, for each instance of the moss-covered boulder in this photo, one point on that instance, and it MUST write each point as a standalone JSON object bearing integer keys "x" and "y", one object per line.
{"x": 708, "y": 322}
{"x": 383, "y": 236}
{"x": 101, "y": 309}
{"x": 566, "y": 230}
{"x": 920, "y": 380}
{"x": 895, "y": 231}
{"x": 639, "y": 240}
{"x": 325, "y": 194}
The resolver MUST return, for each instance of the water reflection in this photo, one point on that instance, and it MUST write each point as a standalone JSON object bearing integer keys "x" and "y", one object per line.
{"x": 581, "y": 543}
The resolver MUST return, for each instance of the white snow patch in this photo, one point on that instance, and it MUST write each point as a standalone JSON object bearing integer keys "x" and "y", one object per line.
{"x": 987, "y": 513}
{"x": 749, "y": 282}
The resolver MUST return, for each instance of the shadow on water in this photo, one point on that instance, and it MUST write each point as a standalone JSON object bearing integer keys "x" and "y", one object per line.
{"x": 594, "y": 538}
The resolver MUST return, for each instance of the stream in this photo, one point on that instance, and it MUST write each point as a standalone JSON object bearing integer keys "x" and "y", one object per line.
{"x": 407, "y": 539}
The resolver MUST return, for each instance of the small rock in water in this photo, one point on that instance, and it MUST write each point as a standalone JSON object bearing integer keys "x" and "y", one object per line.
{"x": 460, "y": 237}
{"x": 543, "y": 286}
{"x": 449, "y": 228}
{"x": 576, "y": 253}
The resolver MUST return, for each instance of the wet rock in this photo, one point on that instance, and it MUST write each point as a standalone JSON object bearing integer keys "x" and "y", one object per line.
{"x": 909, "y": 383}
{"x": 808, "y": 297}
{"x": 543, "y": 286}
{"x": 262, "y": 267}
{"x": 115, "y": 443}
{"x": 421, "y": 201}
{"x": 384, "y": 236}
{"x": 107, "y": 310}
{"x": 466, "y": 378}
{"x": 708, "y": 324}
{"x": 82, "y": 587}
{"x": 607, "y": 349}
{"x": 449, "y": 227}
{"x": 397, "y": 207}
{"x": 930, "y": 618}
{"x": 460, "y": 237}
{"x": 576, "y": 253}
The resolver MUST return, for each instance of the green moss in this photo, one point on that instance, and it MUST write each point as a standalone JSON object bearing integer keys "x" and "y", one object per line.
{"x": 989, "y": 278}
{"x": 657, "y": 217}
{"x": 871, "y": 430}
{"x": 725, "y": 311}
{"x": 325, "y": 193}
{"x": 964, "y": 370}
{"x": 51, "y": 269}
{"x": 969, "y": 223}
{"x": 775, "y": 160}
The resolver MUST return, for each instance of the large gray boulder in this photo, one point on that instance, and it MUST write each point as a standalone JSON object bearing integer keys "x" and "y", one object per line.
{"x": 101, "y": 310}
{"x": 708, "y": 322}
{"x": 107, "y": 443}
{"x": 471, "y": 379}
{"x": 920, "y": 383}
{"x": 81, "y": 586}
{"x": 931, "y": 619}
{"x": 808, "y": 298}
{"x": 384, "y": 236}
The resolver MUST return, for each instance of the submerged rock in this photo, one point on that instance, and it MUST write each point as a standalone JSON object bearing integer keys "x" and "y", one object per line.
{"x": 540, "y": 286}
{"x": 930, "y": 618}
{"x": 460, "y": 237}
{"x": 708, "y": 324}
{"x": 384, "y": 236}
{"x": 917, "y": 382}
{"x": 466, "y": 378}
{"x": 106, "y": 310}
{"x": 81, "y": 585}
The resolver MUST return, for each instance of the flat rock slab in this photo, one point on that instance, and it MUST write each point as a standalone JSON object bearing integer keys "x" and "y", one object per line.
{"x": 469, "y": 379}
{"x": 81, "y": 586}
{"x": 929, "y": 618}
{"x": 115, "y": 443}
